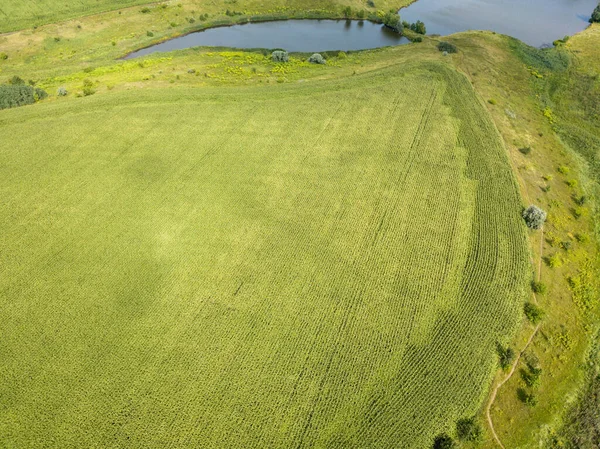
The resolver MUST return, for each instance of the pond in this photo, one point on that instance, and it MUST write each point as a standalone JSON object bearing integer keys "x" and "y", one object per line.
{"x": 535, "y": 22}
{"x": 292, "y": 35}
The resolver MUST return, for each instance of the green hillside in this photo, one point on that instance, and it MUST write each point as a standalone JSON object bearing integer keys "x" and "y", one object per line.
{"x": 323, "y": 264}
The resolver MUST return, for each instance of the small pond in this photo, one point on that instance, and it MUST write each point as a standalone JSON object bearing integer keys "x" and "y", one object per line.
{"x": 535, "y": 22}
{"x": 292, "y": 35}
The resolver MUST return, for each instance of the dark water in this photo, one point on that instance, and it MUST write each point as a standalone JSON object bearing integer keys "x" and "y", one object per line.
{"x": 535, "y": 22}
{"x": 291, "y": 35}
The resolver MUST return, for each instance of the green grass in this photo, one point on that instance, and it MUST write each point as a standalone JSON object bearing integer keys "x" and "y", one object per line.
{"x": 21, "y": 14}
{"x": 325, "y": 264}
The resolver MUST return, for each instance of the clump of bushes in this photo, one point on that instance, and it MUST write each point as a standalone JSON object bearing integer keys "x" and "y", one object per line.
{"x": 391, "y": 19}
{"x": 534, "y": 217}
{"x": 443, "y": 441}
{"x": 14, "y": 95}
{"x": 533, "y": 313}
{"x": 317, "y": 59}
{"x": 554, "y": 261}
{"x": 447, "y": 47}
{"x": 506, "y": 355}
{"x": 468, "y": 429}
{"x": 280, "y": 56}
{"x": 62, "y": 92}
{"x": 418, "y": 27}
{"x": 595, "y": 15}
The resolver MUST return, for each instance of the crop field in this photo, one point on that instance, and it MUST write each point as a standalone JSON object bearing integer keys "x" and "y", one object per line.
{"x": 319, "y": 264}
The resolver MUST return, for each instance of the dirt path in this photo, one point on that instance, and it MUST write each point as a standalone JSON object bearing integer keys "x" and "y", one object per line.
{"x": 488, "y": 409}
{"x": 495, "y": 390}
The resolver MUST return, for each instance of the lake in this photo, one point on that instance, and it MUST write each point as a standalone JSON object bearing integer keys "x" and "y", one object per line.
{"x": 535, "y": 22}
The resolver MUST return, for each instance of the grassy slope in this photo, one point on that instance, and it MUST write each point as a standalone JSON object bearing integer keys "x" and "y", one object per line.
{"x": 503, "y": 70}
{"x": 21, "y": 14}
{"x": 328, "y": 263}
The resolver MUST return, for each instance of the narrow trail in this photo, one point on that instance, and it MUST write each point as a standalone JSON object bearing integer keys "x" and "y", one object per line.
{"x": 516, "y": 362}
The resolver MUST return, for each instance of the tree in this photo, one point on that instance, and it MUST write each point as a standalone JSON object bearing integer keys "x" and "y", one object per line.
{"x": 392, "y": 21}
{"x": 280, "y": 56}
{"x": 418, "y": 27}
{"x": 533, "y": 313}
{"x": 443, "y": 441}
{"x": 596, "y": 15}
{"x": 467, "y": 429}
{"x": 505, "y": 355}
{"x": 534, "y": 217}
{"x": 347, "y": 12}
{"x": 317, "y": 59}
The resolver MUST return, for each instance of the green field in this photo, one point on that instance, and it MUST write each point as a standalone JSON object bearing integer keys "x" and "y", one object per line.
{"x": 319, "y": 264}
{"x": 17, "y": 14}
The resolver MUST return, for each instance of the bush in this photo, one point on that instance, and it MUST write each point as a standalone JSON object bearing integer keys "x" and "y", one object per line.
{"x": 443, "y": 441}
{"x": 280, "y": 56}
{"x": 531, "y": 377}
{"x": 525, "y": 150}
{"x": 316, "y": 59}
{"x": 563, "y": 169}
{"x": 539, "y": 287}
{"x": 528, "y": 399}
{"x": 347, "y": 11}
{"x": 534, "y": 217}
{"x": 149, "y": 34}
{"x": 16, "y": 81}
{"x": 3, "y": 56}
{"x": 417, "y": 39}
{"x": 62, "y": 92}
{"x": 505, "y": 356}
{"x": 361, "y": 14}
{"x": 492, "y": 101}
{"x": 418, "y": 27}
{"x": 15, "y": 95}
{"x": 392, "y": 21}
{"x": 467, "y": 429}
{"x": 145, "y": 10}
{"x": 595, "y": 15}
{"x": 447, "y": 47}
{"x": 533, "y": 313}
{"x": 554, "y": 261}
{"x": 371, "y": 3}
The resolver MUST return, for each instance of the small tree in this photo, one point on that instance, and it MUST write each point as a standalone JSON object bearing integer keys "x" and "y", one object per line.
{"x": 443, "y": 441}
{"x": 467, "y": 429}
{"x": 534, "y": 217}
{"x": 539, "y": 287}
{"x": 280, "y": 56}
{"x": 595, "y": 15}
{"x": 392, "y": 21}
{"x": 533, "y": 313}
{"x": 316, "y": 59}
